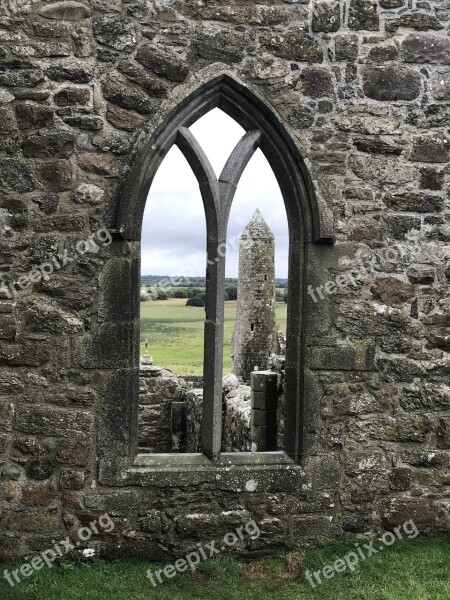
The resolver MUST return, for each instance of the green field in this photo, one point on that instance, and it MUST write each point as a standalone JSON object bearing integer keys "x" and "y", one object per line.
{"x": 411, "y": 569}
{"x": 175, "y": 333}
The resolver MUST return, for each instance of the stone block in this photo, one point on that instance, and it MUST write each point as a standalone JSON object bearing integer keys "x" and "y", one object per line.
{"x": 8, "y": 121}
{"x": 115, "y": 30}
{"x": 363, "y": 14}
{"x": 32, "y": 353}
{"x": 33, "y": 116}
{"x": 66, "y": 10}
{"x": 294, "y": 45}
{"x": 36, "y": 495}
{"x": 55, "y": 175}
{"x": 423, "y": 274}
{"x": 74, "y": 70}
{"x": 414, "y": 202}
{"x": 443, "y": 433}
{"x": 72, "y": 96}
{"x": 8, "y": 329}
{"x": 346, "y": 47}
{"x": 431, "y": 179}
{"x": 264, "y": 418}
{"x": 326, "y": 16}
{"x": 414, "y": 20}
{"x": 389, "y": 83}
{"x": 100, "y": 164}
{"x": 162, "y": 61}
{"x": 264, "y": 381}
{"x": 49, "y": 144}
{"x": 263, "y": 439}
{"x": 316, "y": 82}
{"x": 16, "y": 174}
{"x": 392, "y": 291}
{"x": 28, "y": 522}
{"x": 313, "y": 527}
{"x": 217, "y": 43}
{"x": 430, "y": 149}
{"x": 401, "y": 478}
{"x": 40, "y": 469}
{"x": 123, "y": 119}
{"x": 73, "y": 452}
{"x": 151, "y": 83}
{"x": 357, "y": 356}
{"x": 422, "y": 511}
{"x": 71, "y": 479}
{"x": 54, "y": 421}
{"x": 44, "y": 315}
{"x": 426, "y": 48}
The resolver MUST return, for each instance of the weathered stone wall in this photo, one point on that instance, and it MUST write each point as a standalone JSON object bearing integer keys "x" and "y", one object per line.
{"x": 363, "y": 86}
{"x": 158, "y": 389}
{"x": 236, "y": 420}
{"x": 159, "y": 432}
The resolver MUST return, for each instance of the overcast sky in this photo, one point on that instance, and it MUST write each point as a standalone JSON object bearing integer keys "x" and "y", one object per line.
{"x": 174, "y": 231}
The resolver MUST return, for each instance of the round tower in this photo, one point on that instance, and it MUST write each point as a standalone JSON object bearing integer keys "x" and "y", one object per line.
{"x": 254, "y": 335}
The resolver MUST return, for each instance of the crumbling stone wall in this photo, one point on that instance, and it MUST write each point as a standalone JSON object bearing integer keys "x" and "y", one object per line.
{"x": 158, "y": 389}
{"x": 236, "y": 414}
{"x": 158, "y": 431}
{"x": 363, "y": 87}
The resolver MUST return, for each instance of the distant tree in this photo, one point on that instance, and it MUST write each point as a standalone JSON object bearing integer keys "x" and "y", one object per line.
{"x": 279, "y": 296}
{"x": 180, "y": 293}
{"x": 226, "y": 297}
{"x": 145, "y": 298}
{"x": 231, "y": 291}
{"x": 285, "y": 296}
{"x": 199, "y": 300}
{"x": 195, "y": 291}
{"x": 162, "y": 295}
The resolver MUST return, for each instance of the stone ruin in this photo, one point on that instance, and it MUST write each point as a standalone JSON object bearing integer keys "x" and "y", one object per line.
{"x": 255, "y": 335}
{"x": 349, "y": 101}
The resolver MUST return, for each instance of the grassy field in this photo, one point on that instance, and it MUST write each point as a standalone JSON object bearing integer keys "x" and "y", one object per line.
{"x": 411, "y": 569}
{"x": 175, "y": 333}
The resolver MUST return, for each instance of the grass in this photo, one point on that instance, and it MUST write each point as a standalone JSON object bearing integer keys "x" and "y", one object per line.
{"x": 175, "y": 333}
{"x": 410, "y": 569}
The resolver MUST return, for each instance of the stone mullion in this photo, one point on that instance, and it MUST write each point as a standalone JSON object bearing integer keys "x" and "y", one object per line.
{"x": 217, "y": 199}
{"x": 213, "y": 350}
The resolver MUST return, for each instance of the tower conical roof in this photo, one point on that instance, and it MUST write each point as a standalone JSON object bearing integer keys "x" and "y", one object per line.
{"x": 257, "y": 228}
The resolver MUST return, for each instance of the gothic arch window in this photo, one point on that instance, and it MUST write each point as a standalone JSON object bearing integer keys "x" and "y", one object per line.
{"x": 264, "y": 131}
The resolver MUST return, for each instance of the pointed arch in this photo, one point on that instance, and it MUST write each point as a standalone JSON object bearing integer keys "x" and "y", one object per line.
{"x": 246, "y": 108}
{"x": 308, "y": 232}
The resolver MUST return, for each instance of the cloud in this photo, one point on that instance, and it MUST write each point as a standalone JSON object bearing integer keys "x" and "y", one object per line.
{"x": 174, "y": 229}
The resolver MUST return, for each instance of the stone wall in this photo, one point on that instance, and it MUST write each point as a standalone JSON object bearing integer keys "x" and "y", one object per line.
{"x": 159, "y": 433}
{"x": 363, "y": 88}
{"x": 159, "y": 388}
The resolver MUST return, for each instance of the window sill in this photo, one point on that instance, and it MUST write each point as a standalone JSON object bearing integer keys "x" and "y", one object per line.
{"x": 226, "y": 459}
{"x": 238, "y": 472}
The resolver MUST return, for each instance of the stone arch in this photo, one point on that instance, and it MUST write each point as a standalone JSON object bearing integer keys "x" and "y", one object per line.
{"x": 307, "y": 230}
{"x": 305, "y": 212}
